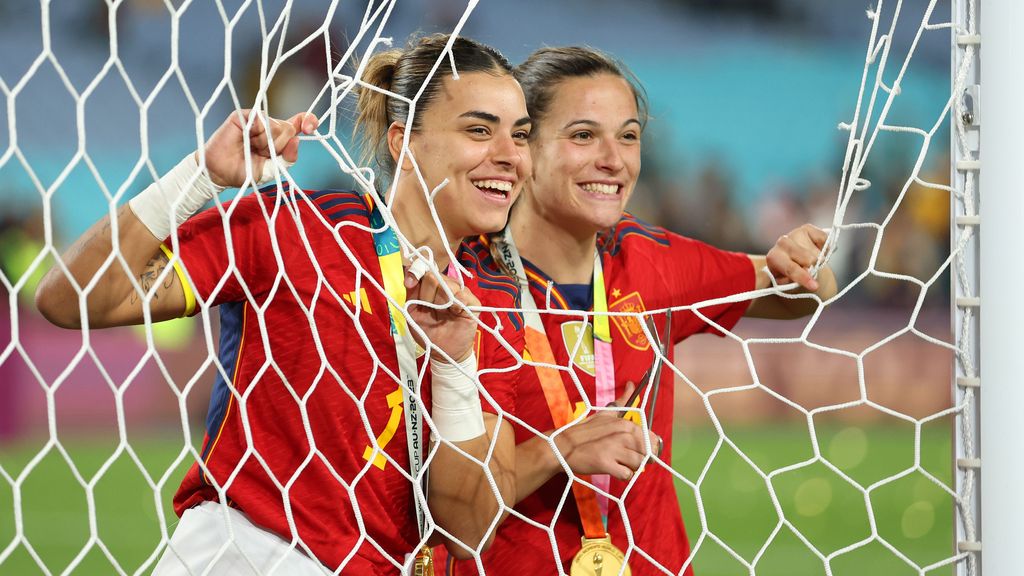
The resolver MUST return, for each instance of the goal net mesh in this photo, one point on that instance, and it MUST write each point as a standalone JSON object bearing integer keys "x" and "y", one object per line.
{"x": 795, "y": 484}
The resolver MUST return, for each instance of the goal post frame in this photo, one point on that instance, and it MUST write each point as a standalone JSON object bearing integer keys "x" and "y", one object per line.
{"x": 965, "y": 304}
{"x": 1002, "y": 208}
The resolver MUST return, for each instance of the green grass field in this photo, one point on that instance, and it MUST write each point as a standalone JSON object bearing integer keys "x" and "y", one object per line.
{"x": 910, "y": 513}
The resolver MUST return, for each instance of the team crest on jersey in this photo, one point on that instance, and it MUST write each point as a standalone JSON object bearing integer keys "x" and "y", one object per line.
{"x": 629, "y": 326}
{"x": 579, "y": 336}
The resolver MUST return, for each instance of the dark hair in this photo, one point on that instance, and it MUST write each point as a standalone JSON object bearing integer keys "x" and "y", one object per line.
{"x": 541, "y": 73}
{"x": 403, "y": 72}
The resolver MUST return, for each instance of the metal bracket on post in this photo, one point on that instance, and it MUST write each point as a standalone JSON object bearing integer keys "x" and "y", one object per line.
{"x": 971, "y": 116}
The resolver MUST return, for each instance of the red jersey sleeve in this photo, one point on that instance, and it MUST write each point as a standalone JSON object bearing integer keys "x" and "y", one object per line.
{"x": 499, "y": 361}
{"x": 699, "y": 272}
{"x": 226, "y": 256}
{"x": 500, "y": 341}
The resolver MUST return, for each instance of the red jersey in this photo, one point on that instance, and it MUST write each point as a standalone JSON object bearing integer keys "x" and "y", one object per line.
{"x": 306, "y": 383}
{"x": 645, "y": 268}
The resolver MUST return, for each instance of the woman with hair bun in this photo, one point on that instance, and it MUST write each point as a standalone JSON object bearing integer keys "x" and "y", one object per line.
{"x": 312, "y": 446}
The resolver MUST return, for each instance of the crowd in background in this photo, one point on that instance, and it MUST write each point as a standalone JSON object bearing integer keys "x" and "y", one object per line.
{"x": 705, "y": 194}
{"x": 705, "y": 190}
{"x": 915, "y": 242}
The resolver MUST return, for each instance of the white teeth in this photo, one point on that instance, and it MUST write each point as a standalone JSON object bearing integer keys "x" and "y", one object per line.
{"x": 499, "y": 185}
{"x": 609, "y": 189}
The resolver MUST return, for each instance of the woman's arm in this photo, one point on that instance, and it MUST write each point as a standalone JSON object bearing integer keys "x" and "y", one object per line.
{"x": 114, "y": 300}
{"x": 463, "y": 501}
{"x": 119, "y": 295}
{"x": 789, "y": 261}
{"x": 603, "y": 443}
{"x": 460, "y": 495}
{"x": 459, "y": 492}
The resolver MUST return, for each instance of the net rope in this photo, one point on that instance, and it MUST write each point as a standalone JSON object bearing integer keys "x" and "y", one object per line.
{"x": 875, "y": 99}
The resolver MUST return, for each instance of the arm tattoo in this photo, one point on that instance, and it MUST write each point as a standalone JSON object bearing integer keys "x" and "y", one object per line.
{"x": 154, "y": 268}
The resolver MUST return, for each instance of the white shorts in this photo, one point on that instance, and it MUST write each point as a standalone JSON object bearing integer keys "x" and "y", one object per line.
{"x": 203, "y": 543}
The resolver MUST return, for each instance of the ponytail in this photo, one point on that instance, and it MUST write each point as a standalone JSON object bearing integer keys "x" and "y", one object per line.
{"x": 372, "y": 117}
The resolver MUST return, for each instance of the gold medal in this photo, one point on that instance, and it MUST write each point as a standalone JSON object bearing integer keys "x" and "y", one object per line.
{"x": 424, "y": 564}
{"x": 598, "y": 557}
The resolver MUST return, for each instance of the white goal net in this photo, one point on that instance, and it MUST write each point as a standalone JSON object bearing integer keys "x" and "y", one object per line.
{"x": 860, "y": 477}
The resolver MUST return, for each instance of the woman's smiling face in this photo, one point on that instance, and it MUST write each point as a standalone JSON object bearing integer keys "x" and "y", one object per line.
{"x": 586, "y": 153}
{"x": 476, "y": 134}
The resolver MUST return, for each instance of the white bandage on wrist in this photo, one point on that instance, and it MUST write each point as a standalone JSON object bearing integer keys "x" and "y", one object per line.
{"x": 455, "y": 401}
{"x": 183, "y": 191}
{"x": 172, "y": 199}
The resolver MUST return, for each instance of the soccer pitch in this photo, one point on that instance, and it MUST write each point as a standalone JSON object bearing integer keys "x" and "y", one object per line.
{"x": 910, "y": 512}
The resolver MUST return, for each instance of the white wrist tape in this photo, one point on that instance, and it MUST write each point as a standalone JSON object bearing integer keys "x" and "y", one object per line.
{"x": 455, "y": 401}
{"x": 183, "y": 191}
{"x": 169, "y": 201}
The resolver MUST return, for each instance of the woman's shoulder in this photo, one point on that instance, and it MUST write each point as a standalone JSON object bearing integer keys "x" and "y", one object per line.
{"x": 333, "y": 205}
{"x": 633, "y": 233}
{"x": 495, "y": 284}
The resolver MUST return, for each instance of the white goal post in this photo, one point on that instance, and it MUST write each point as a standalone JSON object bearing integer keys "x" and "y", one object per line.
{"x": 1002, "y": 362}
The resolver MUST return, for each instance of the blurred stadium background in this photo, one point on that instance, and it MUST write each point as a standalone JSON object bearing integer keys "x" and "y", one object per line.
{"x": 746, "y": 96}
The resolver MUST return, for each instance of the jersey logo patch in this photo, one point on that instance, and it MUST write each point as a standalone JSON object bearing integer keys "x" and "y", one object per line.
{"x": 629, "y": 326}
{"x": 363, "y": 299}
{"x": 578, "y": 336}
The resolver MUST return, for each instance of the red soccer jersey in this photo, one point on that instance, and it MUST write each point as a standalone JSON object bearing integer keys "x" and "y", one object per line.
{"x": 645, "y": 268}
{"x": 305, "y": 382}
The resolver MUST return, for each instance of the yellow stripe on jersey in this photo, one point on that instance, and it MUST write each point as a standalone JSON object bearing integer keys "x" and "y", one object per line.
{"x": 395, "y": 403}
{"x": 186, "y": 287}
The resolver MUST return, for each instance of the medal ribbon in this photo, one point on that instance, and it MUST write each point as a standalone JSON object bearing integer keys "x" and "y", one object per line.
{"x": 386, "y": 243}
{"x": 604, "y": 366}
{"x": 592, "y": 508}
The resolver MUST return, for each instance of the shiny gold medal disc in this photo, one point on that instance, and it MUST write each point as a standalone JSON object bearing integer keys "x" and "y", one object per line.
{"x": 598, "y": 557}
{"x": 424, "y": 564}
